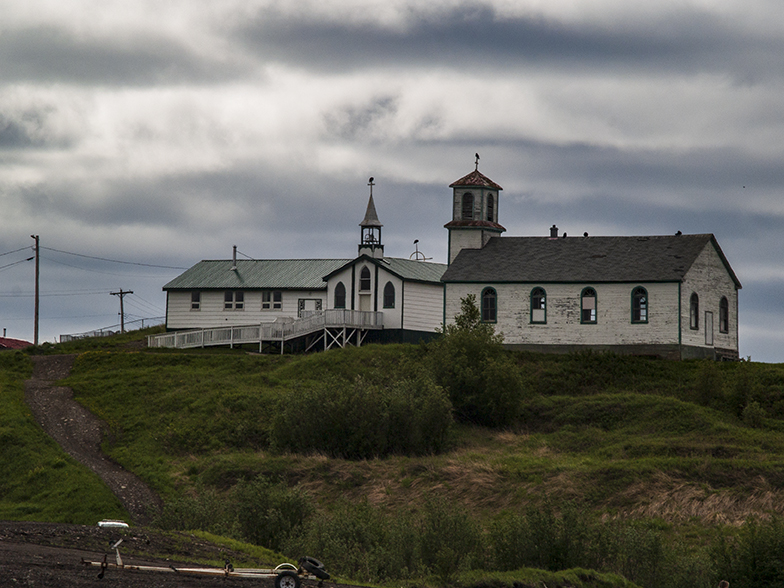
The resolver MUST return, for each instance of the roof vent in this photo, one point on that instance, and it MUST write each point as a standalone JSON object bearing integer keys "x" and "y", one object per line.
{"x": 553, "y": 232}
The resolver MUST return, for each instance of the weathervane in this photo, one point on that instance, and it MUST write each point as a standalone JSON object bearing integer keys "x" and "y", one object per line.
{"x": 371, "y": 184}
{"x": 418, "y": 255}
{"x": 477, "y": 162}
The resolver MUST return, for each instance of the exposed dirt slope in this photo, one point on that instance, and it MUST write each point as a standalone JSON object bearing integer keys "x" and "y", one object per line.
{"x": 79, "y": 433}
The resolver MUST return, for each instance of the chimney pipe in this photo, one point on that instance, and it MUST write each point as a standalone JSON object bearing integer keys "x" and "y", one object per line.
{"x": 553, "y": 232}
{"x": 234, "y": 259}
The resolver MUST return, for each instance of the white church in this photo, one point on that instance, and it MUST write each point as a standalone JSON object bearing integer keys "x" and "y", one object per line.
{"x": 674, "y": 296}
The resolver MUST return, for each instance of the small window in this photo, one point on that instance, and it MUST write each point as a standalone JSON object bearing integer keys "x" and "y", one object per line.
{"x": 588, "y": 306}
{"x": 271, "y": 299}
{"x": 694, "y": 312}
{"x": 364, "y": 279}
{"x": 468, "y": 206}
{"x": 490, "y": 208}
{"x": 538, "y": 305}
{"x": 389, "y": 295}
{"x": 195, "y": 300}
{"x": 489, "y": 308}
{"x": 724, "y": 315}
{"x": 340, "y": 295}
{"x": 639, "y": 305}
{"x": 233, "y": 300}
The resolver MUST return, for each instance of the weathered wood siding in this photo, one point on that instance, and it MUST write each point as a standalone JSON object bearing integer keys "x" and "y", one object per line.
{"x": 211, "y": 313}
{"x": 464, "y": 239}
{"x": 708, "y": 277}
{"x": 423, "y": 308}
{"x": 563, "y": 327}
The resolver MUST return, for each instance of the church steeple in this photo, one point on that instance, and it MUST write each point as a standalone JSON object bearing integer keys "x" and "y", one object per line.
{"x": 370, "y": 238}
{"x": 475, "y": 200}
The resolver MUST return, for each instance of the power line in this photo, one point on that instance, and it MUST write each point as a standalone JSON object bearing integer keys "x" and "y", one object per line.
{"x": 115, "y": 260}
{"x": 15, "y": 251}
{"x": 16, "y": 262}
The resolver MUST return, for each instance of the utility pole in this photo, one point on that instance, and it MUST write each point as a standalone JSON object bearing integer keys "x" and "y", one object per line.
{"x": 121, "y": 294}
{"x": 37, "y": 260}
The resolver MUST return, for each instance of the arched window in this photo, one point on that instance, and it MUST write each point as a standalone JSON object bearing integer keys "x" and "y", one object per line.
{"x": 490, "y": 207}
{"x": 538, "y": 305}
{"x": 364, "y": 279}
{"x": 694, "y": 311}
{"x": 724, "y": 315}
{"x": 639, "y": 305}
{"x": 588, "y": 306}
{"x": 489, "y": 309}
{"x": 340, "y": 295}
{"x": 468, "y": 207}
{"x": 389, "y": 295}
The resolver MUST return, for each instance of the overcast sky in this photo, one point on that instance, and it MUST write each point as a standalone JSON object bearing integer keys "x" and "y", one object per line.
{"x": 163, "y": 133}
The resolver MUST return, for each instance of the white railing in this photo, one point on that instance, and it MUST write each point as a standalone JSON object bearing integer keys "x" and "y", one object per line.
{"x": 277, "y": 331}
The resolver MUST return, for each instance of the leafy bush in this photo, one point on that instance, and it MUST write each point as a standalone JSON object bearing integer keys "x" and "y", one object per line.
{"x": 753, "y": 557}
{"x": 753, "y": 414}
{"x": 260, "y": 511}
{"x": 362, "y": 420}
{"x": 469, "y": 362}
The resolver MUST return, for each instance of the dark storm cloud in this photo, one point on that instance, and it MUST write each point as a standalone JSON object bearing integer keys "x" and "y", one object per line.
{"x": 48, "y": 54}
{"x": 30, "y": 129}
{"x": 479, "y": 38}
{"x": 352, "y": 122}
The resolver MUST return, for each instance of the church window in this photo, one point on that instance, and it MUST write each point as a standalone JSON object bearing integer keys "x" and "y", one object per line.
{"x": 389, "y": 295}
{"x": 694, "y": 311}
{"x": 272, "y": 299}
{"x": 340, "y": 295}
{"x": 489, "y": 310}
{"x": 468, "y": 206}
{"x": 364, "y": 279}
{"x": 538, "y": 305}
{"x": 724, "y": 315}
{"x": 639, "y": 305}
{"x": 233, "y": 300}
{"x": 490, "y": 207}
{"x": 588, "y": 306}
{"x": 195, "y": 300}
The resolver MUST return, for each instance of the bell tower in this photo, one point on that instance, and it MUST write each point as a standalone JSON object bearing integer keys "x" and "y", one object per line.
{"x": 475, "y": 203}
{"x": 370, "y": 237}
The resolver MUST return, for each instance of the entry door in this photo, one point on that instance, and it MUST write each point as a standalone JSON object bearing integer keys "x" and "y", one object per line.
{"x": 708, "y": 328}
{"x": 364, "y": 302}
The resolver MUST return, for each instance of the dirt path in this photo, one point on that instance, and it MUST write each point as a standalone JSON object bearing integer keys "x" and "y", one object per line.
{"x": 79, "y": 433}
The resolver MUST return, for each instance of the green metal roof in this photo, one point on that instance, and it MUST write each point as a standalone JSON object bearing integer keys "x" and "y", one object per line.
{"x": 280, "y": 274}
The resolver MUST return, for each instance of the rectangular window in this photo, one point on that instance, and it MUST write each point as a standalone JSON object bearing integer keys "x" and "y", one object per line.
{"x": 233, "y": 300}
{"x": 272, "y": 300}
{"x": 195, "y": 300}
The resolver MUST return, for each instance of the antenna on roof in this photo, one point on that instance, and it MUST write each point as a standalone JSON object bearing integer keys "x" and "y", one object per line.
{"x": 477, "y": 162}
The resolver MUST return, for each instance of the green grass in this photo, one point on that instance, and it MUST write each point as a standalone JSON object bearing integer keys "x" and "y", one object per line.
{"x": 623, "y": 437}
{"x": 38, "y": 481}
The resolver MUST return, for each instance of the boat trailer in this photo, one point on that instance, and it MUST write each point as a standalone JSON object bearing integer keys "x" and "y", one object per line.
{"x": 286, "y": 575}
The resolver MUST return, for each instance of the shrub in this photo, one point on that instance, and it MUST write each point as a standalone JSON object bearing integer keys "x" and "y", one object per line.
{"x": 753, "y": 557}
{"x": 469, "y": 362}
{"x": 361, "y": 420}
{"x": 267, "y": 513}
{"x": 754, "y": 415}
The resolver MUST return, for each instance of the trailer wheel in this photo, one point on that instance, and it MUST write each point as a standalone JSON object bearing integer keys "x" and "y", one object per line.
{"x": 287, "y": 579}
{"x": 315, "y": 567}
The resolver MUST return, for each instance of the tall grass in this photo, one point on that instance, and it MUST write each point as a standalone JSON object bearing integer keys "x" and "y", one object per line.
{"x": 38, "y": 481}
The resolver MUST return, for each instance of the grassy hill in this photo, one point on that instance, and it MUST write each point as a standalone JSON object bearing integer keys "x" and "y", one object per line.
{"x": 631, "y": 466}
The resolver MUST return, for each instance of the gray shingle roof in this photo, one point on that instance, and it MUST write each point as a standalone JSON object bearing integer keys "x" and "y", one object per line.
{"x": 282, "y": 274}
{"x": 582, "y": 259}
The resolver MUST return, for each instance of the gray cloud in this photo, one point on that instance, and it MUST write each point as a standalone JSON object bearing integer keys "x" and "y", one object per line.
{"x": 49, "y": 54}
{"x": 478, "y": 39}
